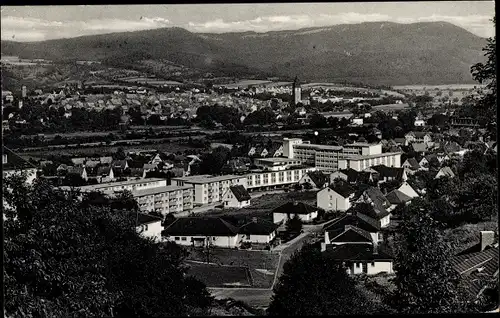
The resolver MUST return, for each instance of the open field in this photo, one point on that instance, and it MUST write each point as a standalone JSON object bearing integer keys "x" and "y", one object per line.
{"x": 220, "y": 276}
{"x": 260, "y": 264}
{"x": 390, "y": 107}
{"x": 246, "y": 83}
{"x": 262, "y": 206}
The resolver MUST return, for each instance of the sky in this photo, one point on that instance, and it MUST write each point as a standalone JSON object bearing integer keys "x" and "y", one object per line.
{"x": 38, "y": 23}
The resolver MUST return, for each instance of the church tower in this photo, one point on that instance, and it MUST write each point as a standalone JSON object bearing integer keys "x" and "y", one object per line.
{"x": 296, "y": 92}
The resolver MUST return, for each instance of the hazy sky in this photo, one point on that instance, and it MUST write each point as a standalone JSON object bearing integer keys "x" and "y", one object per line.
{"x": 35, "y": 23}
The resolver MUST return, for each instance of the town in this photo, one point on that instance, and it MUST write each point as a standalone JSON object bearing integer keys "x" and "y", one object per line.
{"x": 256, "y": 180}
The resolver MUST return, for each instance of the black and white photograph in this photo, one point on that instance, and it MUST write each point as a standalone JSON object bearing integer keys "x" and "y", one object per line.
{"x": 249, "y": 159}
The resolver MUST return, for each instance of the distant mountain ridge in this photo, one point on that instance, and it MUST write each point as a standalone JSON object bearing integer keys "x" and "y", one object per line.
{"x": 373, "y": 52}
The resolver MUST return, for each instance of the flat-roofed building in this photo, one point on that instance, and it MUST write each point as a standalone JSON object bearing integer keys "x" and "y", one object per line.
{"x": 276, "y": 164}
{"x": 129, "y": 185}
{"x": 269, "y": 180}
{"x": 361, "y": 162}
{"x": 210, "y": 189}
{"x": 165, "y": 200}
{"x": 331, "y": 158}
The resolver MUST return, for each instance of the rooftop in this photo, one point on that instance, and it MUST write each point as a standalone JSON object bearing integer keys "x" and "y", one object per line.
{"x": 361, "y": 157}
{"x": 96, "y": 187}
{"x": 206, "y": 178}
{"x": 152, "y": 191}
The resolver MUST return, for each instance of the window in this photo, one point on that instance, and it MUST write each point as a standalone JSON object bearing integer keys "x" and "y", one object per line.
{"x": 145, "y": 227}
{"x": 183, "y": 238}
{"x": 248, "y": 236}
{"x": 373, "y": 264}
{"x": 176, "y": 238}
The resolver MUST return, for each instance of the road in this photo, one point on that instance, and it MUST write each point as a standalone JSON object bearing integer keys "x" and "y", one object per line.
{"x": 261, "y": 297}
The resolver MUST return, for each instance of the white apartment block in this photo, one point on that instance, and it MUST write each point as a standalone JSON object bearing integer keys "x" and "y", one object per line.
{"x": 268, "y": 180}
{"x": 209, "y": 189}
{"x": 360, "y": 162}
{"x": 331, "y": 158}
{"x": 129, "y": 185}
{"x": 165, "y": 200}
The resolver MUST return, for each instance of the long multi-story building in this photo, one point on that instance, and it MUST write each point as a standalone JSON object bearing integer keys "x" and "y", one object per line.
{"x": 331, "y": 158}
{"x": 276, "y": 164}
{"x": 269, "y": 180}
{"x": 129, "y": 185}
{"x": 165, "y": 200}
{"x": 209, "y": 189}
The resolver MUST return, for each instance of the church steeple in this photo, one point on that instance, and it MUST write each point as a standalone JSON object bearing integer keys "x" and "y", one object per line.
{"x": 296, "y": 91}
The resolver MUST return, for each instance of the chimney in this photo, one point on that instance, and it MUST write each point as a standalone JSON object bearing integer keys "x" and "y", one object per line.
{"x": 254, "y": 219}
{"x": 487, "y": 238}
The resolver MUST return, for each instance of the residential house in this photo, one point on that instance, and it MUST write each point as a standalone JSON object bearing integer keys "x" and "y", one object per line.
{"x": 386, "y": 174}
{"x": 258, "y": 231}
{"x": 149, "y": 226}
{"x": 424, "y": 162}
{"x": 356, "y": 243}
{"x": 373, "y": 207}
{"x": 352, "y": 176}
{"x": 276, "y": 150}
{"x": 317, "y": 179}
{"x": 236, "y": 197}
{"x": 445, "y": 172}
{"x": 411, "y": 165}
{"x": 335, "y": 197}
{"x": 106, "y": 160}
{"x": 407, "y": 189}
{"x": 419, "y": 147}
{"x": 158, "y": 158}
{"x": 91, "y": 164}
{"x": 80, "y": 171}
{"x": 478, "y": 267}
{"x": 401, "y": 141}
{"x": 202, "y": 232}
{"x": 396, "y": 197}
{"x": 120, "y": 164}
{"x": 289, "y": 210}
{"x": 236, "y": 166}
{"x": 78, "y": 161}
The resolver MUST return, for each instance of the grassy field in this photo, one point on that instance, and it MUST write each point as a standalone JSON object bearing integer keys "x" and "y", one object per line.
{"x": 262, "y": 206}
{"x": 255, "y": 261}
{"x": 220, "y": 276}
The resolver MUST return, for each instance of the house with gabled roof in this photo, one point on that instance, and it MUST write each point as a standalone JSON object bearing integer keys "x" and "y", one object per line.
{"x": 352, "y": 176}
{"x": 335, "y": 197}
{"x": 478, "y": 267}
{"x": 80, "y": 171}
{"x": 289, "y": 210}
{"x": 386, "y": 174}
{"x": 202, "y": 231}
{"x": 396, "y": 197}
{"x": 410, "y": 191}
{"x": 356, "y": 243}
{"x": 236, "y": 196}
{"x": 258, "y": 231}
{"x": 317, "y": 179}
{"x": 445, "y": 172}
{"x": 411, "y": 165}
{"x": 419, "y": 147}
{"x": 373, "y": 207}
{"x": 78, "y": 161}
{"x": 149, "y": 226}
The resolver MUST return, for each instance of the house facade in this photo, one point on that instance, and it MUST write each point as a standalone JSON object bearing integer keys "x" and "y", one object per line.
{"x": 330, "y": 200}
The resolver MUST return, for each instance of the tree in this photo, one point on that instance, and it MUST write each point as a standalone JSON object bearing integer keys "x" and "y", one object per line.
{"x": 486, "y": 73}
{"x": 74, "y": 260}
{"x": 318, "y": 121}
{"x": 313, "y": 284}
{"x": 213, "y": 162}
{"x": 425, "y": 280}
{"x": 294, "y": 225}
{"x": 308, "y": 186}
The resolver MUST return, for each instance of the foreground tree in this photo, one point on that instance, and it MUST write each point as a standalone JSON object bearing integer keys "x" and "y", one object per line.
{"x": 294, "y": 225}
{"x": 425, "y": 279}
{"x": 66, "y": 259}
{"x": 312, "y": 284}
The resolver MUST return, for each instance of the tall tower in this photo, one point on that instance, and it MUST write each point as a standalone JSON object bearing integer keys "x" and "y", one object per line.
{"x": 296, "y": 92}
{"x": 24, "y": 91}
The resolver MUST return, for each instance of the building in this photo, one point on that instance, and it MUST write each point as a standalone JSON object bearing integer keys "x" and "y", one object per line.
{"x": 478, "y": 266}
{"x": 269, "y": 180}
{"x": 276, "y": 164}
{"x": 236, "y": 197}
{"x": 317, "y": 179}
{"x": 202, "y": 232}
{"x": 445, "y": 172}
{"x": 356, "y": 243}
{"x": 289, "y": 210}
{"x": 358, "y": 156}
{"x": 296, "y": 92}
{"x": 335, "y": 197}
{"x": 209, "y": 189}
{"x": 165, "y": 199}
{"x": 149, "y": 226}
{"x": 258, "y": 231}
{"x": 24, "y": 92}
{"x": 130, "y": 185}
